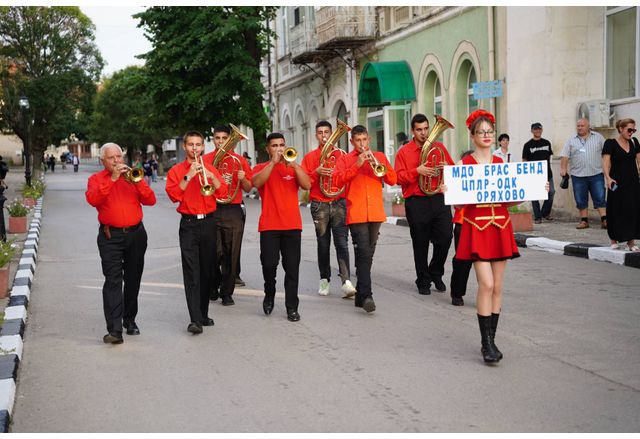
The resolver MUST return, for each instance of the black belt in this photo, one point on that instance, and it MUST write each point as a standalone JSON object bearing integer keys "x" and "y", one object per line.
{"x": 132, "y": 228}
{"x": 198, "y": 216}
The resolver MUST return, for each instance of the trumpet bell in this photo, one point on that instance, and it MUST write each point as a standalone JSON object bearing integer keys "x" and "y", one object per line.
{"x": 290, "y": 154}
{"x": 134, "y": 175}
{"x": 379, "y": 170}
{"x": 207, "y": 190}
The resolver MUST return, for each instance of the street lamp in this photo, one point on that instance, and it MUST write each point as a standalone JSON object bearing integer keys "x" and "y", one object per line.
{"x": 24, "y": 106}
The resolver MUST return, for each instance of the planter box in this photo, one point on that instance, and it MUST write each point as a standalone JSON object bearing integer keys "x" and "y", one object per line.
{"x": 521, "y": 221}
{"x": 17, "y": 224}
{"x": 398, "y": 210}
{"x": 29, "y": 202}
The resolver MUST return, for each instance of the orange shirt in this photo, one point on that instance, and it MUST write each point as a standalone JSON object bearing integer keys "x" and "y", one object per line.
{"x": 279, "y": 196}
{"x": 118, "y": 202}
{"x": 407, "y": 162}
{"x": 310, "y": 163}
{"x": 363, "y": 189}
{"x": 208, "y": 158}
{"x": 191, "y": 201}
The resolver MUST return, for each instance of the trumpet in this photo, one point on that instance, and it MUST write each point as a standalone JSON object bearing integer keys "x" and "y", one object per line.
{"x": 134, "y": 175}
{"x": 206, "y": 188}
{"x": 290, "y": 154}
{"x": 379, "y": 170}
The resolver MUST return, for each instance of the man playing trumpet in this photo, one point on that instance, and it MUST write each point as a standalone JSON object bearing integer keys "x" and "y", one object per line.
{"x": 195, "y": 185}
{"x": 329, "y": 211}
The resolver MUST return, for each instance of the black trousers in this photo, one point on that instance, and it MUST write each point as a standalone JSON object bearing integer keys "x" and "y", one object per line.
{"x": 122, "y": 262}
{"x": 274, "y": 243}
{"x": 429, "y": 221}
{"x": 461, "y": 269}
{"x": 365, "y": 238}
{"x": 230, "y": 221}
{"x": 198, "y": 253}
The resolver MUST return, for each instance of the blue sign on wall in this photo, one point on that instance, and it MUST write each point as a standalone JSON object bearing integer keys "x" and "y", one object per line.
{"x": 487, "y": 89}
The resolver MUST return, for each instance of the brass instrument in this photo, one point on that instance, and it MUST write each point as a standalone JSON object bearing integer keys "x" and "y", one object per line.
{"x": 290, "y": 154}
{"x": 206, "y": 188}
{"x": 433, "y": 157}
{"x": 379, "y": 170}
{"x": 328, "y": 158}
{"x": 134, "y": 175}
{"x": 227, "y": 164}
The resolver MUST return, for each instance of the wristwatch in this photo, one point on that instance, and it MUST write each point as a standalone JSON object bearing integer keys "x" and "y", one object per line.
{"x": 186, "y": 178}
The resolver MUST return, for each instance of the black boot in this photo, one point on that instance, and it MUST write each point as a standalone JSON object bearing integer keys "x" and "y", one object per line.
{"x": 488, "y": 353}
{"x": 494, "y": 326}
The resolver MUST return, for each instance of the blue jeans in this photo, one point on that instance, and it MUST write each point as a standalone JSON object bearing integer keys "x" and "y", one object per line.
{"x": 330, "y": 217}
{"x": 546, "y": 206}
{"x": 582, "y": 186}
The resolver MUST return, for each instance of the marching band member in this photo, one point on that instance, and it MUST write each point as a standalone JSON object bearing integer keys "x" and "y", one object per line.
{"x": 195, "y": 185}
{"x": 280, "y": 223}
{"x": 230, "y": 219}
{"x": 329, "y": 216}
{"x": 365, "y": 207}
{"x": 428, "y": 217}
{"x": 122, "y": 239}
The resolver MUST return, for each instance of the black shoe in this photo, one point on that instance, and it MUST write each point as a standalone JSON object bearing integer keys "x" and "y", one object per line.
{"x": 131, "y": 327}
{"x": 240, "y": 282}
{"x": 440, "y": 286}
{"x": 292, "y": 315}
{"x": 267, "y": 306}
{"x": 113, "y": 338}
{"x": 214, "y": 295}
{"x": 457, "y": 301}
{"x": 358, "y": 304}
{"x": 368, "y": 304}
{"x": 425, "y": 291}
{"x": 228, "y": 301}
{"x": 207, "y": 322}
{"x": 194, "y": 328}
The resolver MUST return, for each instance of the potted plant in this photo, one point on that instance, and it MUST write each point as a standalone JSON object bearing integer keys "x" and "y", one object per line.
{"x": 17, "y": 217}
{"x": 521, "y": 219}
{"x": 7, "y": 249}
{"x": 31, "y": 193}
{"x": 397, "y": 205}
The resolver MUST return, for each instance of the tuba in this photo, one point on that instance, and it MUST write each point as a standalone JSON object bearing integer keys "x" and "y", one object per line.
{"x": 227, "y": 164}
{"x": 328, "y": 158}
{"x": 433, "y": 157}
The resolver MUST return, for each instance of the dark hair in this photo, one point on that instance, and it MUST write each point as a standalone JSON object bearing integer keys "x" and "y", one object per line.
{"x": 324, "y": 123}
{"x": 192, "y": 134}
{"x": 477, "y": 121}
{"x": 272, "y": 136}
{"x": 418, "y": 118}
{"x": 222, "y": 129}
{"x": 358, "y": 129}
{"x": 503, "y": 136}
{"x": 466, "y": 153}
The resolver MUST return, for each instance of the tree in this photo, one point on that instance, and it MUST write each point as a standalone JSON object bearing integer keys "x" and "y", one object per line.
{"x": 124, "y": 112}
{"x": 47, "y": 54}
{"x": 204, "y": 67}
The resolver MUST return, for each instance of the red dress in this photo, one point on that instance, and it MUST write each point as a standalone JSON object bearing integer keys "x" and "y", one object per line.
{"x": 486, "y": 234}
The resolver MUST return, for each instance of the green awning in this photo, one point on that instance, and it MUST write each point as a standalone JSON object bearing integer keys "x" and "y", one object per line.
{"x": 382, "y": 83}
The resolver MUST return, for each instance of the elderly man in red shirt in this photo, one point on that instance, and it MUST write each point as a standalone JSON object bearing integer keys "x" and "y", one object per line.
{"x": 280, "y": 224}
{"x": 365, "y": 206}
{"x": 198, "y": 230}
{"x": 122, "y": 239}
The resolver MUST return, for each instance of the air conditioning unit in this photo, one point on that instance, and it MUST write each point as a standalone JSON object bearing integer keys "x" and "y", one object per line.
{"x": 598, "y": 113}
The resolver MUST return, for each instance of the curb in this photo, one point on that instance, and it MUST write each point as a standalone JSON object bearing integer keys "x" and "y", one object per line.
{"x": 15, "y": 317}
{"x": 580, "y": 250}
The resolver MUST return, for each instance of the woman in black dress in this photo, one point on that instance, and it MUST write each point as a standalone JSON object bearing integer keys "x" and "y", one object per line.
{"x": 620, "y": 161}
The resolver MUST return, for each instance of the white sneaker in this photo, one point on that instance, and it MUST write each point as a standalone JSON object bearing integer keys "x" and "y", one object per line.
{"x": 348, "y": 289}
{"x": 323, "y": 290}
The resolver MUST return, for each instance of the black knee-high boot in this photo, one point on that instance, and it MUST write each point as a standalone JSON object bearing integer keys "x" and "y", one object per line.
{"x": 494, "y": 326}
{"x": 488, "y": 352}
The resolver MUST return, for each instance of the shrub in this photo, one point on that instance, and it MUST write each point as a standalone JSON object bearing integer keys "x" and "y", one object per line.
{"x": 7, "y": 250}
{"x": 17, "y": 209}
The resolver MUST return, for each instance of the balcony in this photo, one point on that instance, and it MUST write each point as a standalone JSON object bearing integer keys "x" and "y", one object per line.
{"x": 344, "y": 27}
{"x": 304, "y": 45}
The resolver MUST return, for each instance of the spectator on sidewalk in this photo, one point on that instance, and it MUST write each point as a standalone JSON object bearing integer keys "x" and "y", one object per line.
{"x": 581, "y": 158}
{"x": 4, "y": 168}
{"x": 620, "y": 161}
{"x": 76, "y": 163}
{"x": 503, "y": 148}
{"x": 538, "y": 148}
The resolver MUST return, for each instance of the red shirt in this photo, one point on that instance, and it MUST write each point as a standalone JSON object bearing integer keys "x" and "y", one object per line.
{"x": 310, "y": 163}
{"x": 279, "y": 195}
{"x": 208, "y": 158}
{"x": 458, "y": 214}
{"x": 191, "y": 200}
{"x": 407, "y": 162}
{"x": 363, "y": 189}
{"x": 118, "y": 202}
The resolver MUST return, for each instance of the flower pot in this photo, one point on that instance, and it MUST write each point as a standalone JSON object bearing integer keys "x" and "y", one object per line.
{"x": 17, "y": 224}
{"x": 29, "y": 202}
{"x": 521, "y": 221}
{"x": 4, "y": 281}
{"x": 398, "y": 209}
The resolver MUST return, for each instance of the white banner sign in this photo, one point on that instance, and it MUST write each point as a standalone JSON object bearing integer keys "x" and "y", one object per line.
{"x": 495, "y": 183}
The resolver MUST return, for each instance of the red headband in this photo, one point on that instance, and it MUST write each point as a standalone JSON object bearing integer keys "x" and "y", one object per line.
{"x": 480, "y": 113}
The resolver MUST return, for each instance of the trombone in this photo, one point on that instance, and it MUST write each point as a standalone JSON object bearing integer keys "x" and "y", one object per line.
{"x": 206, "y": 188}
{"x": 379, "y": 170}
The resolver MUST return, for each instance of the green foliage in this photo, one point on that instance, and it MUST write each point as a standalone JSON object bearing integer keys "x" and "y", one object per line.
{"x": 34, "y": 191}
{"x": 397, "y": 198}
{"x": 7, "y": 250}
{"x": 204, "y": 68}
{"x": 517, "y": 208}
{"x": 17, "y": 209}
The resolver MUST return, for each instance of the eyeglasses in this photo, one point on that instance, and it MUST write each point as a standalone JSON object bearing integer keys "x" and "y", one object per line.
{"x": 631, "y": 130}
{"x": 483, "y": 133}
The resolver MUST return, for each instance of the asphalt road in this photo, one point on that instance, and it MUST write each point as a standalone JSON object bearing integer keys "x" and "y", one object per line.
{"x": 569, "y": 333}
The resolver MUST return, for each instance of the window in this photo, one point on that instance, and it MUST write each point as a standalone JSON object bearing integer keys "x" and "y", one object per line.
{"x": 298, "y": 15}
{"x": 622, "y": 77}
{"x": 437, "y": 98}
{"x": 472, "y": 103}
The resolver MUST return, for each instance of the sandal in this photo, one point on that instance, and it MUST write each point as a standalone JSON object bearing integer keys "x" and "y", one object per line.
{"x": 614, "y": 246}
{"x": 633, "y": 248}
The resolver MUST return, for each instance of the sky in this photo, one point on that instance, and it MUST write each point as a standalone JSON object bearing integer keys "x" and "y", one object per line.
{"x": 117, "y": 37}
